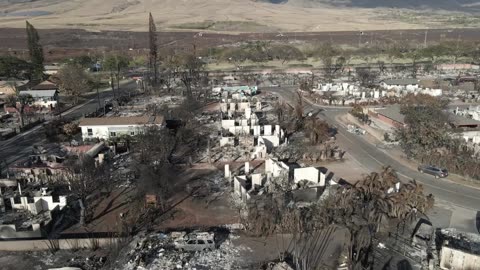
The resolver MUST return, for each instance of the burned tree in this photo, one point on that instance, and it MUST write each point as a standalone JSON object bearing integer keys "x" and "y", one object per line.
{"x": 153, "y": 54}
{"x": 19, "y": 102}
{"x": 154, "y": 147}
{"x": 192, "y": 73}
{"x": 84, "y": 178}
{"x": 170, "y": 66}
{"x": 366, "y": 76}
{"x": 372, "y": 208}
{"x": 369, "y": 211}
{"x": 318, "y": 131}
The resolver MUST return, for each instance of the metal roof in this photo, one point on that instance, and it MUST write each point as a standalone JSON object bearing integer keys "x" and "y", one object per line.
{"x": 392, "y": 112}
{"x": 122, "y": 121}
{"x": 45, "y": 85}
{"x": 459, "y": 121}
{"x": 39, "y": 93}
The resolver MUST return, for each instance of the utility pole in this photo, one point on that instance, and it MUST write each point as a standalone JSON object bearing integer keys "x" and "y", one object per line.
{"x": 97, "y": 84}
{"x": 425, "y": 41}
{"x": 209, "y": 160}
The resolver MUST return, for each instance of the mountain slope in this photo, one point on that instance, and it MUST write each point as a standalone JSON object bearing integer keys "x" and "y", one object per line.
{"x": 228, "y": 15}
{"x": 459, "y": 5}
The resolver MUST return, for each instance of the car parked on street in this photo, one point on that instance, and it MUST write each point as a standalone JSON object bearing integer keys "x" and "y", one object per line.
{"x": 195, "y": 242}
{"x": 437, "y": 172}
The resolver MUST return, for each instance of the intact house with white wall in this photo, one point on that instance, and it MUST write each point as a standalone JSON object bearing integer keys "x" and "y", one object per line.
{"x": 44, "y": 94}
{"x": 111, "y": 127}
{"x": 43, "y": 98}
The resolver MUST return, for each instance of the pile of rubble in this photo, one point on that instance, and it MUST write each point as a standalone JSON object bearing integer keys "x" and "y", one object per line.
{"x": 279, "y": 266}
{"x": 458, "y": 240}
{"x": 87, "y": 263}
{"x": 157, "y": 251}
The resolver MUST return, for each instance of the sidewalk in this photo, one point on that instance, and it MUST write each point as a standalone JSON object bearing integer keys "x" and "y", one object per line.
{"x": 67, "y": 111}
{"x": 398, "y": 155}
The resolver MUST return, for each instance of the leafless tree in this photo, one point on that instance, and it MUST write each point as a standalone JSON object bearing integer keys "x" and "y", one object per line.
{"x": 170, "y": 66}
{"x": 192, "y": 72}
{"x": 154, "y": 147}
{"x": 19, "y": 103}
{"x": 317, "y": 130}
{"x": 366, "y": 77}
{"x": 328, "y": 67}
{"x": 84, "y": 177}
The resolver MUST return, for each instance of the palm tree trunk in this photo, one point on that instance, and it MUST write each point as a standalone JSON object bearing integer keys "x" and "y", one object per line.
{"x": 82, "y": 212}
{"x": 118, "y": 81}
{"x": 112, "y": 84}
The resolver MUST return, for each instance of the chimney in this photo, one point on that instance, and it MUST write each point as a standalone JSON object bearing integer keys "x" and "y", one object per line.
{"x": 101, "y": 157}
{"x": 227, "y": 171}
{"x": 44, "y": 191}
{"x": 247, "y": 167}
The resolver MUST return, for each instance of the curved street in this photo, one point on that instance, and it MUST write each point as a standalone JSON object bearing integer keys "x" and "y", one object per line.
{"x": 456, "y": 205}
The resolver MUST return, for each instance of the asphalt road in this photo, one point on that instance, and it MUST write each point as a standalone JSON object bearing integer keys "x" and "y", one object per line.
{"x": 21, "y": 145}
{"x": 459, "y": 201}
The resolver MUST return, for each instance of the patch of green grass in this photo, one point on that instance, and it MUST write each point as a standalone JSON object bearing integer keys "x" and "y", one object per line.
{"x": 205, "y": 25}
{"x": 300, "y": 65}
{"x": 433, "y": 18}
{"x": 239, "y": 26}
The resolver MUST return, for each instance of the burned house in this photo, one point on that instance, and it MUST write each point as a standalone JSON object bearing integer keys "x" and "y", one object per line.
{"x": 45, "y": 163}
{"x": 275, "y": 176}
{"x": 29, "y": 212}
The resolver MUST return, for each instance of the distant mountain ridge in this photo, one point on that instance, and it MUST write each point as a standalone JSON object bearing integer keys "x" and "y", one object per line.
{"x": 407, "y": 4}
{"x": 242, "y": 15}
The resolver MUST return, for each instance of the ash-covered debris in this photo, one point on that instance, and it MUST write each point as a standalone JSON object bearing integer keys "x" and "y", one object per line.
{"x": 278, "y": 266}
{"x": 163, "y": 251}
{"x": 212, "y": 185}
{"x": 87, "y": 263}
{"x": 469, "y": 242}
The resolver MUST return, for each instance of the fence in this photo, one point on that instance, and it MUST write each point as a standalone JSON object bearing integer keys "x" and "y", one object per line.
{"x": 46, "y": 244}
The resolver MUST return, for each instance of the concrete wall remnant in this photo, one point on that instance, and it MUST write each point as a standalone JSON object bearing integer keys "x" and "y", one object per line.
{"x": 269, "y": 141}
{"x": 276, "y": 168}
{"x": 227, "y": 141}
{"x": 267, "y": 130}
{"x": 453, "y": 259}
{"x": 228, "y": 123}
{"x": 227, "y": 171}
{"x": 257, "y": 179}
{"x": 310, "y": 174}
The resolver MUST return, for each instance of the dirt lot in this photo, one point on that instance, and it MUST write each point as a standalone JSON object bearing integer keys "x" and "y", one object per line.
{"x": 59, "y": 43}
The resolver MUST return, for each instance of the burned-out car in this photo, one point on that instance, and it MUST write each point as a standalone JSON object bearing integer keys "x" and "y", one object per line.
{"x": 196, "y": 241}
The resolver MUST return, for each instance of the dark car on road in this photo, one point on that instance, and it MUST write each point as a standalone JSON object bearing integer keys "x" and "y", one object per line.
{"x": 437, "y": 172}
